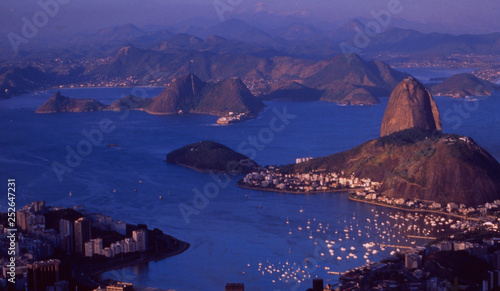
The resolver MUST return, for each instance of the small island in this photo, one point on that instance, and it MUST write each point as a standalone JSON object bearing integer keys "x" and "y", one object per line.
{"x": 210, "y": 156}
{"x": 58, "y": 103}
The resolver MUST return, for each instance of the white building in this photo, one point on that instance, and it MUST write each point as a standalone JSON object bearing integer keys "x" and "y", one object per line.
{"x": 120, "y": 227}
{"x": 89, "y": 248}
{"x": 140, "y": 238}
{"x": 107, "y": 252}
{"x": 97, "y": 246}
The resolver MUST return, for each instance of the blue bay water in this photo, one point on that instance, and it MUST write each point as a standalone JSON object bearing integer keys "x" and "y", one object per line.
{"x": 239, "y": 228}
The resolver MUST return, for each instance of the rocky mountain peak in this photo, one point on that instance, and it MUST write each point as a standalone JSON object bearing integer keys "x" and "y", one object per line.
{"x": 411, "y": 105}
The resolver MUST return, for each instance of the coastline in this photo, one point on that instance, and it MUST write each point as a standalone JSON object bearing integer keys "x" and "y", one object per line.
{"x": 413, "y": 210}
{"x": 241, "y": 185}
{"x": 91, "y": 271}
{"x": 102, "y": 87}
{"x": 202, "y": 170}
{"x": 349, "y": 191}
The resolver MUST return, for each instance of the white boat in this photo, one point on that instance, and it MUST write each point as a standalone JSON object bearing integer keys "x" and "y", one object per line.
{"x": 369, "y": 245}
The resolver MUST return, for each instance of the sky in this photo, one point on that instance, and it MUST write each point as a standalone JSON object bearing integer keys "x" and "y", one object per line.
{"x": 457, "y": 16}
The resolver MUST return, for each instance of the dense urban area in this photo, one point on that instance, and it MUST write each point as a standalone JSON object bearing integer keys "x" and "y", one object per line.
{"x": 59, "y": 249}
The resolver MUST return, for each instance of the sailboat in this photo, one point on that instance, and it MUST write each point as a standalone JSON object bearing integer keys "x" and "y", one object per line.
{"x": 70, "y": 193}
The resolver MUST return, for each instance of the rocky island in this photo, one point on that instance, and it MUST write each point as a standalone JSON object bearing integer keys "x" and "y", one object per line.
{"x": 463, "y": 85}
{"x": 189, "y": 94}
{"x": 58, "y": 103}
{"x": 186, "y": 94}
{"x": 130, "y": 102}
{"x": 210, "y": 156}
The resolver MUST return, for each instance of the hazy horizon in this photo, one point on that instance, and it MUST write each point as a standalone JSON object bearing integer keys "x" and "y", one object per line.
{"x": 452, "y": 16}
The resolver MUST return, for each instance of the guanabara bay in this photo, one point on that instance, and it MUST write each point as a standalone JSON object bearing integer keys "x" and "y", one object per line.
{"x": 250, "y": 145}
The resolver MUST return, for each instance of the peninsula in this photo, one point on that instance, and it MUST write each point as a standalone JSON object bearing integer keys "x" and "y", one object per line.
{"x": 411, "y": 160}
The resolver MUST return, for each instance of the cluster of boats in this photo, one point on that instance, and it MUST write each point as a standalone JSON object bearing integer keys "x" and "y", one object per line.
{"x": 357, "y": 240}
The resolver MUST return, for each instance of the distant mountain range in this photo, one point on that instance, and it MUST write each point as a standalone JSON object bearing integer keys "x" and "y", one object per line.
{"x": 332, "y": 79}
{"x": 293, "y": 37}
{"x": 411, "y": 41}
{"x": 345, "y": 79}
{"x": 405, "y": 40}
{"x": 299, "y": 39}
{"x": 268, "y": 60}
